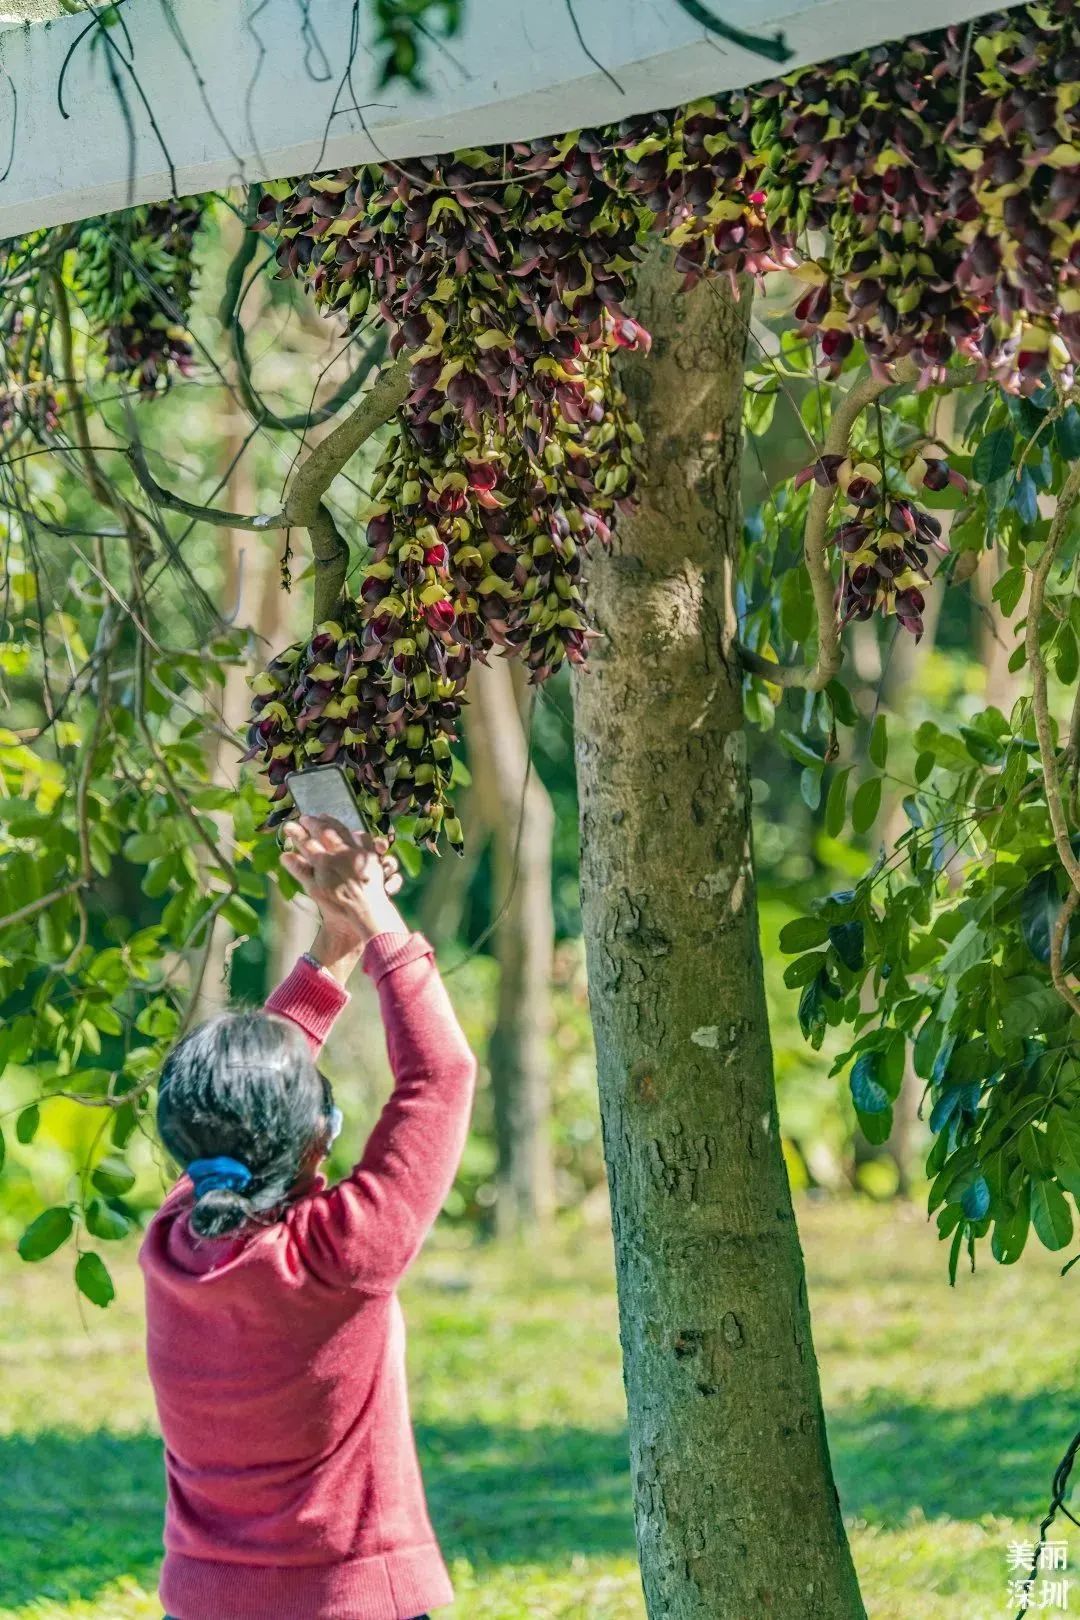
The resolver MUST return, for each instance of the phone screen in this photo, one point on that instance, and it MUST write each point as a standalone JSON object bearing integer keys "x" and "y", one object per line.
{"x": 324, "y": 790}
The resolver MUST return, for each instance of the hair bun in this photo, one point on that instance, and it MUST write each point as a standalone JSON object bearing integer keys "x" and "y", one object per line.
{"x": 218, "y": 1212}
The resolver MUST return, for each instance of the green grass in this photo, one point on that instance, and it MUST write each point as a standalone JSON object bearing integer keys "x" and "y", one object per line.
{"x": 947, "y": 1413}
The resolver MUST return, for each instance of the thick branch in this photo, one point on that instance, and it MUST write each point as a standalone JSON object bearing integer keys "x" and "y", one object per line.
{"x": 331, "y": 553}
{"x": 1057, "y": 948}
{"x": 321, "y": 467}
{"x": 304, "y": 505}
{"x": 1048, "y": 753}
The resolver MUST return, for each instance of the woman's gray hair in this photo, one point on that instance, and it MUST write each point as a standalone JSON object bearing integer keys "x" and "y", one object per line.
{"x": 243, "y": 1085}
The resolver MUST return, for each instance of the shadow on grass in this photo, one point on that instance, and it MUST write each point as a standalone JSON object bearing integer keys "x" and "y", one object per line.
{"x": 996, "y": 1456}
{"x": 79, "y": 1510}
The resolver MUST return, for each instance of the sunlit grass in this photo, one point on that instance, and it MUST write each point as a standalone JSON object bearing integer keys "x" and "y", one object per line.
{"x": 948, "y": 1411}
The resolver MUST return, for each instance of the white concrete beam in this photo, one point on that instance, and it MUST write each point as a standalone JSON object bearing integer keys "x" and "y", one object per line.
{"x": 246, "y": 90}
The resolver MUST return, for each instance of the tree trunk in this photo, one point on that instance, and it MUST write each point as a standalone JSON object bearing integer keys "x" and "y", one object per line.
{"x": 521, "y": 820}
{"x": 737, "y": 1513}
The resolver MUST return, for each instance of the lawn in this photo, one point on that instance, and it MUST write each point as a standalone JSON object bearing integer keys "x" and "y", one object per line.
{"x": 947, "y": 1413}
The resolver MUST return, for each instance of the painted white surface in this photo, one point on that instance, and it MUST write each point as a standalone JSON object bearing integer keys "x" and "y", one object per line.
{"x": 255, "y": 89}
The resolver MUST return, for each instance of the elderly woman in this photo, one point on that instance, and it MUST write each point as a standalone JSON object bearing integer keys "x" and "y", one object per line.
{"x": 275, "y": 1341}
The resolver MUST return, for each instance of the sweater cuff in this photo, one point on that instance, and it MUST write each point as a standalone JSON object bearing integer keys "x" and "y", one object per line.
{"x": 311, "y": 999}
{"x": 386, "y": 952}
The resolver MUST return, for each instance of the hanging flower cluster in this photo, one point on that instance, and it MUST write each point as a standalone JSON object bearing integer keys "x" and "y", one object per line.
{"x": 945, "y": 173}
{"x": 323, "y": 701}
{"x": 135, "y": 276}
{"x": 884, "y": 539}
{"x": 513, "y": 450}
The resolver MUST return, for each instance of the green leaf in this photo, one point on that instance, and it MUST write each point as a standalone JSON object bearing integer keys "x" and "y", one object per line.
{"x": 158, "y": 877}
{"x": 26, "y": 1125}
{"x": 1040, "y": 905}
{"x": 1009, "y": 589}
{"x": 975, "y": 1201}
{"x": 1009, "y": 1237}
{"x": 240, "y": 916}
{"x": 159, "y": 1019}
{"x": 105, "y": 1222}
{"x": 113, "y": 1176}
{"x": 1064, "y": 1137}
{"x": 802, "y": 934}
{"x": 124, "y": 1124}
{"x": 866, "y": 804}
{"x": 812, "y": 1011}
{"x": 180, "y": 913}
{"x": 848, "y": 941}
{"x": 968, "y": 948}
{"x": 92, "y": 1279}
{"x": 1066, "y": 656}
{"x": 801, "y": 751}
{"x": 843, "y": 704}
{"x": 877, "y": 1128}
{"x": 1041, "y": 1008}
{"x": 1050, "y": 1215}
{"x": 993, "y": 458}
{"x": 810, "y": 788}
{"x": 143, "y": 847}
{"x": 954, "y": 1254}
{"x": 867, "y": 1092}
{"x": 1067, "y": 433}
{"x": 45, "y": 1235}
{"x": 410, "y": 858}
{"x": 104, "y": 1018}
{"x": 53, "y": 932}
{"x": 803, "y": 969}
{"x": 796, "y": 605}
{"x": 1025, "y": 498}
{"x": 836, "y": 803}
{"x": 879, "y": 743}
{"x": 926, "y": 1047}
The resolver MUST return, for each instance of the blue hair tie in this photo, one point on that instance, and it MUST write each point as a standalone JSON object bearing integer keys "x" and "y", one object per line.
{"x": 207, "y": 1175}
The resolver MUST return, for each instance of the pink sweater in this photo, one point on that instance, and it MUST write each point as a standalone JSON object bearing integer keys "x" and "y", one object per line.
{"x": 278, "y": 1360}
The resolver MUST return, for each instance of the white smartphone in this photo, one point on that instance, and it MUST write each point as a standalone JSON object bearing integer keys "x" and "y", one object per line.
{"x": 324, "y": 790}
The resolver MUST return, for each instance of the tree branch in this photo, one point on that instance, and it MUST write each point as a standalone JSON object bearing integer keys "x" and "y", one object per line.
{"x": 304, "y": 506}
{"x": 1048, "y": 753}
{"x": 815, "y": 677}
{"x": 107, "y": 638}
{"x": 318, "y": 471}
{"x": 202, "y": 514}
{"x": 331, "y": 553}
{"x": 229, "y": 316}
{"x": 1057, "y": 947}
{"x": 32, "y": 907}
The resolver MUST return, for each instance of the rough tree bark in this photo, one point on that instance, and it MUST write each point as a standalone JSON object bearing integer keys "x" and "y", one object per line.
{"x": 737, "y": 1513}
{"x": 521, "y": 822}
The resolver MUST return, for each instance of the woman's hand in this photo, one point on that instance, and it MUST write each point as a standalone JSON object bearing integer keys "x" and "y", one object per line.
{"x": 352, "y": 878}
